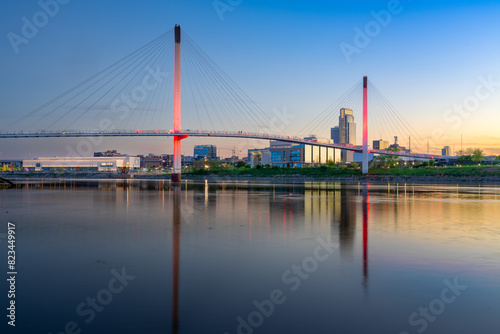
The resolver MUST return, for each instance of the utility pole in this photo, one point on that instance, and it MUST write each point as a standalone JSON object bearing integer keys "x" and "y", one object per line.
{"x": 232, "y": 155}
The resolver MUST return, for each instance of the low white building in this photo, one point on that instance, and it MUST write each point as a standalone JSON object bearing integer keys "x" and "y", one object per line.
{"x": 111, "y": 163}
{"x": 260, "y": 156}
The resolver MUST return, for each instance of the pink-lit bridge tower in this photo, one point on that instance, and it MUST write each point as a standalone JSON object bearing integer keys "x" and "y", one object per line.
{"x": 364, "y": 164}
{"x": 176, "y": 174}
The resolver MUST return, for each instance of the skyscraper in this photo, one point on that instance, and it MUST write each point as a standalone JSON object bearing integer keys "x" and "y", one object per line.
{"x": 446, "y": 151}
{"x": 347, "y": 132}
{"x": 335, "y": 134}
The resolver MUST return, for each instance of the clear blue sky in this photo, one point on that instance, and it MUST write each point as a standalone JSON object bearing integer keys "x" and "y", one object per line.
{"x": 281, "y": 53}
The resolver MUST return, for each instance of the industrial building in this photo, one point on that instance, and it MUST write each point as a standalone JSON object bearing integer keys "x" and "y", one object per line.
{"x": 156, "y": 161}
{"x": 110, "y": 163}
{"x": 205, "y": 151}
{"x": 10, "y": 164}
{"x": 108, "y": 153}
{"x": 398, "y": 147}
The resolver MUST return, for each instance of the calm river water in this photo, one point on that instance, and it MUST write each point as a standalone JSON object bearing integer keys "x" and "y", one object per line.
{"x": 252, "y": 257}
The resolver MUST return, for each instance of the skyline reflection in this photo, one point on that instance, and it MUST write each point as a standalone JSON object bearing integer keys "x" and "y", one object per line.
{"x": 203, "y": 252}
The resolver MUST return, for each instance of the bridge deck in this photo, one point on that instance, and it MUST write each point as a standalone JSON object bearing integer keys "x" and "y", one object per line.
{"x": 204, "y": 133}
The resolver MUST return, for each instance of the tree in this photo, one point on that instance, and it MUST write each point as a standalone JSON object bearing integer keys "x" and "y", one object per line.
{"x": 470, "y": 154}
{"x": 390, "y": 161}
{"x": 477, "y": 154}
{"x": 241, "y": 164}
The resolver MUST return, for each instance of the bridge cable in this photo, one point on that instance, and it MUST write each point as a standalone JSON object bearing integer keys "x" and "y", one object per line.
{"x": 62, "y": 95}
{"x": 143, "y": 63}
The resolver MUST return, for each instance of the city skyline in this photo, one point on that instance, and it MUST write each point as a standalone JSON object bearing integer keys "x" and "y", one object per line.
{"x": 442, "y": 87}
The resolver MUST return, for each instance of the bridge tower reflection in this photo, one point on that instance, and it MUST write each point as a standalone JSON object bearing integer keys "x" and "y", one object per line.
{"x": 176, "y": 252}
{"x": 366, "y": 216}
{"x": 346, "y": 218}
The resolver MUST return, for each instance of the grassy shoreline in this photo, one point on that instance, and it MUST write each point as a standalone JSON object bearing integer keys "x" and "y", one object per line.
{"x": 473, "y": 171}
{"x": 475, "y": 174}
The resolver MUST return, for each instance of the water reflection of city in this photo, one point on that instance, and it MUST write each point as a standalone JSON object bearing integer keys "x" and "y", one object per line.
{"x": 314, "y": 204}
{"x": 274, "y": 213}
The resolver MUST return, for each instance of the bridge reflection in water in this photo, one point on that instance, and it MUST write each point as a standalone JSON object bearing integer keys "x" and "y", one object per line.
{"x": 335, "y": 202}
{"x": 176, "y": 254}
{"x": 204, "y": 251}
{"x": 239, "y": 212}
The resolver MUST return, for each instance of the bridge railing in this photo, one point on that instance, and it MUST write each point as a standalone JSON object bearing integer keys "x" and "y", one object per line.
{"x": 242, "y": 134}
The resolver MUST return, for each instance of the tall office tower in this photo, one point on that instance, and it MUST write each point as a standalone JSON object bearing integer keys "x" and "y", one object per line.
{"x": 446, "y": 151}
{"x": 347, "y": 132}
{"x": 335, "y": 134}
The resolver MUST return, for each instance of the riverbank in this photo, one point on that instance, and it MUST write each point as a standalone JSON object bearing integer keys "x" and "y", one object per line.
{"x": 469, "y": 175}
{"x": 368, "y": 178}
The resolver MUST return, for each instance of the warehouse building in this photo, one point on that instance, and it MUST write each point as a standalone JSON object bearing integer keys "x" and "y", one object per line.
{"x": 110, "y": 163}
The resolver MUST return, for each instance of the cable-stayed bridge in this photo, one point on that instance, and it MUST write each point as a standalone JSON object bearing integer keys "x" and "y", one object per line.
{"x": 137, "y": 94}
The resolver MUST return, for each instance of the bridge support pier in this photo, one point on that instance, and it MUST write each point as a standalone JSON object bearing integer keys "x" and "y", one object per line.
{"x": 177, "y": 161}
{"x": 364, "y": 164}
